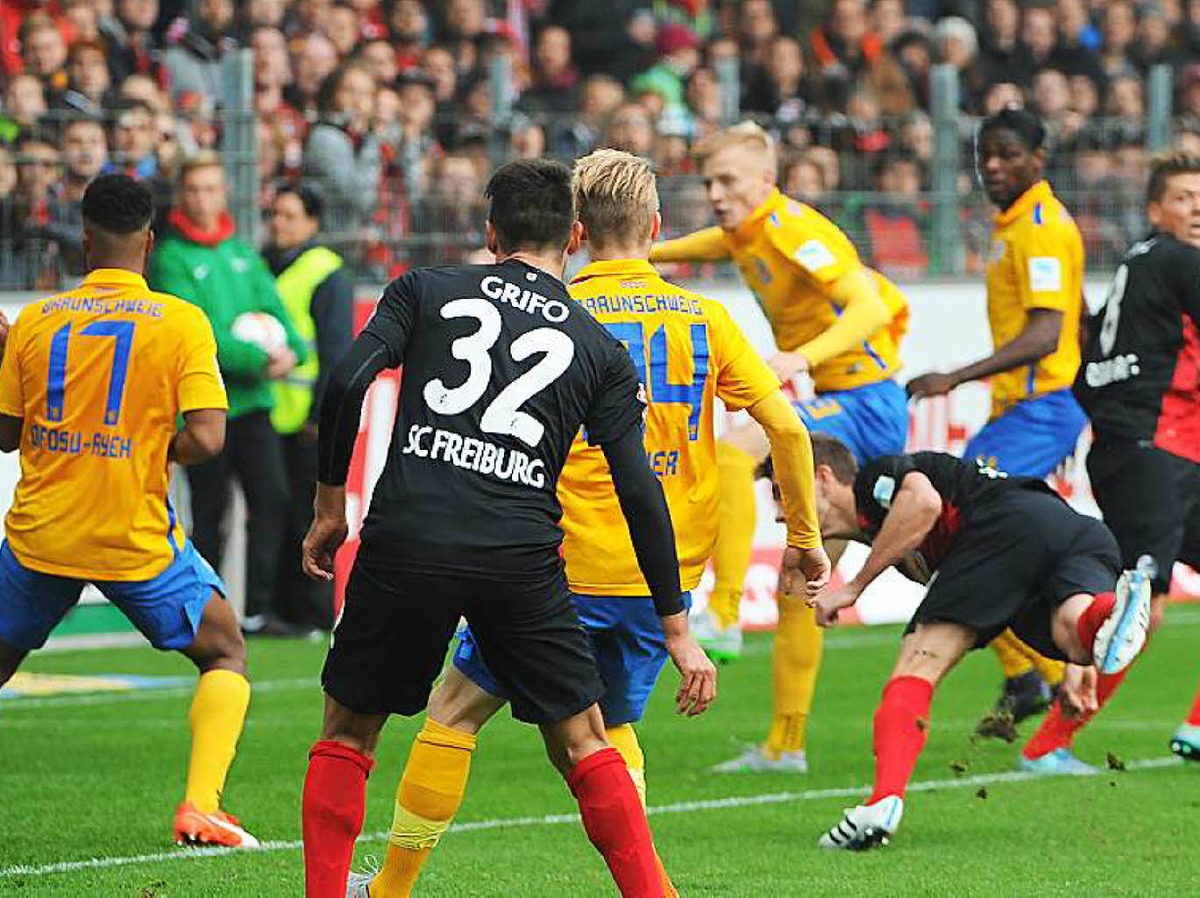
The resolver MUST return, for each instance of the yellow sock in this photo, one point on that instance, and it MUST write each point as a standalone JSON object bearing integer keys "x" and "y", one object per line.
{"x": 797, "y": 661}
{"x": 624, "y": 739}
{"x": 1052, "y": 671}
{"x": 216, "y": 718}
{"x": 1013, "y": 655}
{"x": 735, "y": 532}
{"x": 430, "y": 792}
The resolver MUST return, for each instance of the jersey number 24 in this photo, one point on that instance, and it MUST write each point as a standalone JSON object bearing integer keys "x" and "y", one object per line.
{"x": 659, "y": 389}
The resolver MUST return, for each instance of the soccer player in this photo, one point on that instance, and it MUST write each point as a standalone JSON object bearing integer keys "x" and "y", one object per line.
{"x": 1005, "y": 552}
{"x": 91, "y": 385}
{"x": 1035, "y": 299}
{"x": 689, "y": 352}
{"x": 832, "y": 318}
{"x": 501, "y": 369}
{"x": 1140, "y": 387}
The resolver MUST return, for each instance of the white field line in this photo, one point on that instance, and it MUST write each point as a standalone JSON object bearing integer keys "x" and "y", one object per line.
{"x": 843, "y": 639}
{"x": 681, "y": 807}
{"x": 144, "y": 695}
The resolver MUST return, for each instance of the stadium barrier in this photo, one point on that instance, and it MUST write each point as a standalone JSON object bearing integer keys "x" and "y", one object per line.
{"x": 948, "y": 328}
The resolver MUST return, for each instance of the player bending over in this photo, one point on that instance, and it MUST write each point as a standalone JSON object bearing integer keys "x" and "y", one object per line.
{"x": 92, "y": 383}
{"x": 501, "y": 369}
{"x": 689, "y": 352}
{"x": 1140, "y": 387}
{"x": 836, "y": 320}
{"x": 1005, "y": 552}
{"x": 1035, "y": 299}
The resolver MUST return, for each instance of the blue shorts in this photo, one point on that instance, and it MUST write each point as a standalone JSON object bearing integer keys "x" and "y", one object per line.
{"x": 166, "y": 609}
{"x": 871, "y": 420}
{"x": 627, "y": 640}
{"x": 1033, "y": 437}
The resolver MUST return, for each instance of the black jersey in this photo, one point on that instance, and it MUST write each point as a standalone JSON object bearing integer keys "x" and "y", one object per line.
{"x": 1140, "y": 377}
{"x": 964, "y": 486}
{"x": 501, "y": 368}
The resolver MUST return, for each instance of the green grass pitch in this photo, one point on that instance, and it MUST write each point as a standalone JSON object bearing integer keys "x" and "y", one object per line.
{"x": 98, "y": 778}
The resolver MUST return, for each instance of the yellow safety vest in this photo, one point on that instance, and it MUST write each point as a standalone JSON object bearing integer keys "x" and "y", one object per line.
{"x": 296, "y": 285}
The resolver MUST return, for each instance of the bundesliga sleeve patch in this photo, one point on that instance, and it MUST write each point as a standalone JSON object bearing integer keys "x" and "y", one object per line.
{"x": 1045, "y": 274}
{"x": 884, "y": 489}
{"x": 815, "y": 255}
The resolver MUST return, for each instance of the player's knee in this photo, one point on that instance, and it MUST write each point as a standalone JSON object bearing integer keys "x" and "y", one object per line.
{"x": 461, "y": 704}
{"x": 570, "y": 741}
{"x": 930, "y": 655}
{"x": 357, "y": 731}
{"x": 10, "y": 660}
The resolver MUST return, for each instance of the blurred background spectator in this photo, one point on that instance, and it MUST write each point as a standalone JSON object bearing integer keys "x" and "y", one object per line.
{"x": 318, "y": 296}
{"x": 396, "y": 109}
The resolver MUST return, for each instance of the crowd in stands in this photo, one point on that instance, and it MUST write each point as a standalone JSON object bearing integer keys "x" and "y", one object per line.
{"x": 387, "y": 106}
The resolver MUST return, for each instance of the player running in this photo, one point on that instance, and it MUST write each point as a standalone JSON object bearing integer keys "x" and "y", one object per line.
{"x": 832, "y": 318}
{"x": 1140, "y": 384}
{"x": 689, "y": 352}
{"x": 501, "y": 369}
{"x": 1035, "y": 300}
{"x": 1005, "y": 552}
{"x": 91, "y": 385}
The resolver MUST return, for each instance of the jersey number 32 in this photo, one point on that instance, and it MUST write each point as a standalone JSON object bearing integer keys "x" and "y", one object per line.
{"x": 503, "y": 414}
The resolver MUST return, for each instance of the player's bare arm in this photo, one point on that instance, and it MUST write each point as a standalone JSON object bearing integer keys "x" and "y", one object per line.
{"x": 10, "y": 432}
{"x": 1036, "y": 341}
{"x": 863, "y": 313}
{"x": 913, "y": 514}
{"x": 4, "y": 325}
{"x": 202, "y": 437}
{"x": 645, "y": 509}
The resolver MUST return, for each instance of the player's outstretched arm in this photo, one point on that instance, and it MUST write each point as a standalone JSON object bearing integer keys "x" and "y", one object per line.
{"x": 707, "y": 245}
{"x": 202, "y": 437}
{"x": 863, "y": 313}
{"x": 645, "y": 509}
{"x": 792, "y": 461}
{"x": 914, "y": 512}
{"x": 1037, "y": 340}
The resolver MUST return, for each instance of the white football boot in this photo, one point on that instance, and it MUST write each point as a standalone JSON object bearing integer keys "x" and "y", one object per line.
{"x": 866, "y": 826}
{"x": 1122, "y": 636}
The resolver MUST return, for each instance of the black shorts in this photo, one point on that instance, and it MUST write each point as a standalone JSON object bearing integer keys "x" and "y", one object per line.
{"x": 1151, "y": 502}
{"x": 390, "y": 643}
{"x": 1014, "y": 562}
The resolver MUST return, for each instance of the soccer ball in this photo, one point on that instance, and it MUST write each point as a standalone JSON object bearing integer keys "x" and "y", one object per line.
{"x": 260, "y": 329}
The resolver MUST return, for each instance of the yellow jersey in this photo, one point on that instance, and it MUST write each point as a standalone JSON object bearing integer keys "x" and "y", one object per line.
{"x": 688, "y": 351}
{"x": 99, "y": 374}
{"x": 788, "y": 255}
{"x": 1036, "y": 262}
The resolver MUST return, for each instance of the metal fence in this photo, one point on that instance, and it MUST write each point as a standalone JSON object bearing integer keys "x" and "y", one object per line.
{"x": 904, "y": 190}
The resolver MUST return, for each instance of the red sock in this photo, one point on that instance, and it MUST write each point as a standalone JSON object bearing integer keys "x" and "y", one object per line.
{"x": 616, "y": 823}
{"x": 1094, "y": 617}
{"x": 1193, "y": 718}
{"x": 1058, "y": 730}
{"x": 335, "y": 801}
{"x": 901, "y": 722}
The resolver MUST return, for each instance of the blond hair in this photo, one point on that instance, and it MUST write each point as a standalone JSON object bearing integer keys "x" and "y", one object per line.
{"x": 615, "y": 196}
{"x": 743, "y": 134}
{"x": 198, "y": 160}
